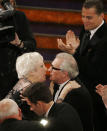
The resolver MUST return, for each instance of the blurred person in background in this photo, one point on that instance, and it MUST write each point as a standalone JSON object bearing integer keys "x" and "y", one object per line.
{"x": 10, "y": 49}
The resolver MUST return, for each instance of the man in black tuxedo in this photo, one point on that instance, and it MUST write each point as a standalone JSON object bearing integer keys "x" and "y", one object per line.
{"x": 91, "y": 56}
{"x": 11, "y": 118}
{"x": 64, "y": 72}
{"x": 60, "y": 116}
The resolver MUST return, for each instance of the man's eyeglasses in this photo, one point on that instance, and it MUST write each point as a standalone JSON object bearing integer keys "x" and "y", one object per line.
{"x": 54, "y": 68}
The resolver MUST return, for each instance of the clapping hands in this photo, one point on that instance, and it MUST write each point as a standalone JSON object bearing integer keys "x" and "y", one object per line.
{"x": 72, "y": 43}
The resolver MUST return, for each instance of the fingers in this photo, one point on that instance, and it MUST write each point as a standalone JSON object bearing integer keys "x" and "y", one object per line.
{"x": 99, "y": 86}
{"x": 100, "y": 92}
{"x": 61, "y": 44}
{"x": 100, "y": 89}
{"x": 16, "y": 41}
{"x": 78, "y": 41}
{"x": 70, "y": 34}
{"x": 70, "y": 37}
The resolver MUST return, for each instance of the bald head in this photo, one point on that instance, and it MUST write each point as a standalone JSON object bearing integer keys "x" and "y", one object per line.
{"x": 8, "y": 108}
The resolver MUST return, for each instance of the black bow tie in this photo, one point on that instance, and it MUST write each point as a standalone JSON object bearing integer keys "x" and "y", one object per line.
{"x": 56, "y": 87}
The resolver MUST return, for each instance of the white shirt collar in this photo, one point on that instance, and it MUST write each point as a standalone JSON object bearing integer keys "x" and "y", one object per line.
{"x": 61, "y": 85}
{"x": 94, "y": 30}
{"x": 58, "y": 91}
{"x": 46, "y": 115}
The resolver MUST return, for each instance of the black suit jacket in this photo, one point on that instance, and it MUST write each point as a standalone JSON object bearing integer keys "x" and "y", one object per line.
{"x": 92, "y": 64}
{"x": 93, "y": 70}
{"x": 81, "y": 100}
{"x": 20, "y": 125}
{"x": 64, "y": 118}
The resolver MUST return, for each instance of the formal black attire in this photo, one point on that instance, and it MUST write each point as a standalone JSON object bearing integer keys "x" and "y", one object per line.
{"x": 20, "y": 125}
{"x": 93, "y": 70}
{"x": 63, "y": 117}
{"x": 9, "y": 53}
{"x": 80, "y": 99}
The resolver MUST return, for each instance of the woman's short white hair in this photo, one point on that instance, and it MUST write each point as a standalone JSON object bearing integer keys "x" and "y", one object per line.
{"x": 27, "y": 63}
{"x": 8, "y": 107}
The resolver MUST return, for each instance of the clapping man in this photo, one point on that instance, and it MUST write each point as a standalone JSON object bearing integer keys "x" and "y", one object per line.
{"x": 90, "y": 51}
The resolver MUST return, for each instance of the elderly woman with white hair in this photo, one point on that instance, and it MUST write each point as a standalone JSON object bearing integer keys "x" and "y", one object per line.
{"x": 30, "y": 69}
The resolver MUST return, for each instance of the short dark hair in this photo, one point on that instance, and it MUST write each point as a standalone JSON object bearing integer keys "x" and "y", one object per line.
{"x": 38, "y": 91}
{"x": 97, "y": 4}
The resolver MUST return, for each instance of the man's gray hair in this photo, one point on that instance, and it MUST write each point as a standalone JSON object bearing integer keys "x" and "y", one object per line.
{"x": 27, "y": 63}
{"x": 69, "y": 64}
{"x": 8, "y": 107}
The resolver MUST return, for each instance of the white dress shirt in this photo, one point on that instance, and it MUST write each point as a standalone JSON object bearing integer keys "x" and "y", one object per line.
{"x": 94, "y": 30}
{"x": 58, "y": 91}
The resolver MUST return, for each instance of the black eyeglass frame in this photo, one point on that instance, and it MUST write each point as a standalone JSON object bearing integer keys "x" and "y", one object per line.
{"x": 54, "y": 68}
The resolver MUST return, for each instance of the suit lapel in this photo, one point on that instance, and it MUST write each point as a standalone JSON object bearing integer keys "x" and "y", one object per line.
{"x": 56, "y": 88}
{"x": 52, "y": 110}
{"x": 62, "y": 88}
{"x": 95, "y": 39}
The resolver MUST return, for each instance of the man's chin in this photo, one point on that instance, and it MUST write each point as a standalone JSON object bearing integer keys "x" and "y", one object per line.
{"x": 88, "y": 28}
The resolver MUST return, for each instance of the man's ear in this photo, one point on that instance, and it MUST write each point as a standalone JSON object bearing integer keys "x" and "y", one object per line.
{"x": 39, "y": 103}
{"x": 20, "y": 114}
{"x": 65, "y": 73}
{"x": 102, "y": 15}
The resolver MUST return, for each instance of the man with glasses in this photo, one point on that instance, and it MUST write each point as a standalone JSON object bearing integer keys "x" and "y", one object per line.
{"x": 64, "y": 72}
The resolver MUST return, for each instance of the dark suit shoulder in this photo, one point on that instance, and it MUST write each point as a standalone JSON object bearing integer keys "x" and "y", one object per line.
{"x": 65, "y": 117}
{"x": 81, "y": 92}
{"x": 20, "y": 125}
{"x": 81, "y": 100}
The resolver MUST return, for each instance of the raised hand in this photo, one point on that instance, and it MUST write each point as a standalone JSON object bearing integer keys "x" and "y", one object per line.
{"x": 72, "y": 40}
{"x": 17, "y": 41}
{"x": 102, "y": 91}
{"x": 72, "y": 43}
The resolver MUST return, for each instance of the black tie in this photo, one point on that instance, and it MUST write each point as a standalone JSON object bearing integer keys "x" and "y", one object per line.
{"x": 85, "y": 41}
